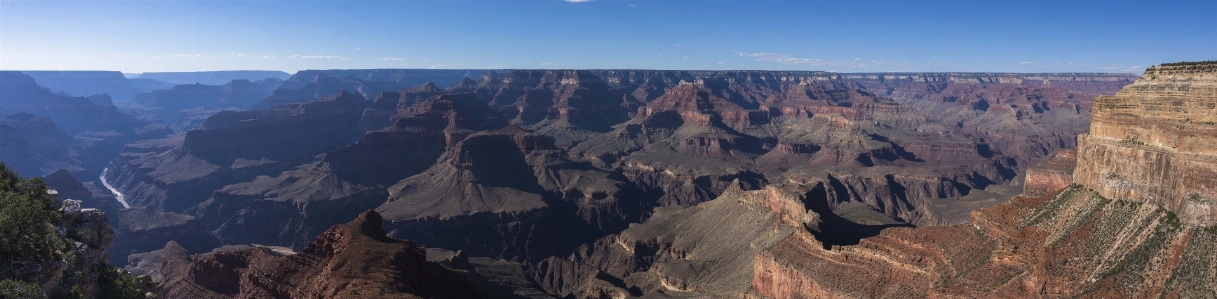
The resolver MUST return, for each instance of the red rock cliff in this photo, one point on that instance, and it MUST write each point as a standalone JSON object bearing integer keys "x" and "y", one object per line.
{"x": 1153, "y": 142}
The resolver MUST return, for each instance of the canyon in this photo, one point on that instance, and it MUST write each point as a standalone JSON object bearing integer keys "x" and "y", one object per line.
{"x": 647, "y": 183}
{"x": 1120, "y": 217}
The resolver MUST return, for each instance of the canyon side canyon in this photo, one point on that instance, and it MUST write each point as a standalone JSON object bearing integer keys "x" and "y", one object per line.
{"x": 635, "y": 183}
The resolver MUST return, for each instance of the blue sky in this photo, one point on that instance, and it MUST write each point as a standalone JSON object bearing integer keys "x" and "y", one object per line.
{"x": 844, "y": 36}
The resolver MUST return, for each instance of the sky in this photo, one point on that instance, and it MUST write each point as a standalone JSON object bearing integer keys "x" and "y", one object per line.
{"x": 842, "y": 36}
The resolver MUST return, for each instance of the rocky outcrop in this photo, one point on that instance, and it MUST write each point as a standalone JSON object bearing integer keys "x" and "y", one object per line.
{"x": 1051, "y": 176}
{"x": 143, "y": 229}
{"x": 571, "y": 106}
{"x": 516, "y": 192}
{"x": 353, "y": 260}
{"x": 1119, "y": 230}
{"x": 703, "y": 250}
{"x": 1076, "y": 244}
{"x": 51, "y": 247}
{"x": 1152, "y": 142}
{"x": 306, "y": 200}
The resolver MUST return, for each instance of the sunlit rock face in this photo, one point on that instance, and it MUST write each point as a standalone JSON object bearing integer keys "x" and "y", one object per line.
{"x": 1122, "y": 217}
{"x": 1153, "y": 142}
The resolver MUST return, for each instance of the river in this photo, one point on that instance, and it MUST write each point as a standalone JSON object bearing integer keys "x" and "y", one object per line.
{"x": 117, "y": 194}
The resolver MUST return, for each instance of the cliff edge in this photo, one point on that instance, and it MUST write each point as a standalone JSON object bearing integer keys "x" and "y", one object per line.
{"x": 1152, "y": 142}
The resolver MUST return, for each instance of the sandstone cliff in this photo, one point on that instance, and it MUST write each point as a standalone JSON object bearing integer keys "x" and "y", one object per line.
{"x": 1121, "y": 229}
{"x": 1153, "y": 142}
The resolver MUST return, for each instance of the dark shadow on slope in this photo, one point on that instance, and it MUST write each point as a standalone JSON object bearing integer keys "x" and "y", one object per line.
{"x": 837, "y": 231}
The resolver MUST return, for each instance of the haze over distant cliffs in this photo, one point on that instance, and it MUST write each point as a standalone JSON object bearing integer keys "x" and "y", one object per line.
{"x": 210, "y": 78}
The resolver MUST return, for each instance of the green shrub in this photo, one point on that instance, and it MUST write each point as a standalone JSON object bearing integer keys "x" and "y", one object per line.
{"x": 25, "y": 218}
{"x": 16, "y": 289}
{"x": 1187, "y": 63}
{"x": 117, "y": 284}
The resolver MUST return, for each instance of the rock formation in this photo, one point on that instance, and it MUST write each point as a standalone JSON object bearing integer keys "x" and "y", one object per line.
{"x": 516, "y": 192}
{"x": 184, "y": 107}
{"x": 179, "y": 172}
{"x": 548, "y": 169}
{"x": 1153, "y": 142}
{"x": 77, "y": 115}
{"x": 53, "y": 247}
{"x": 353, "y": 260}
{"x": 1113, "y": 233}
{"x": 87, "y": 83}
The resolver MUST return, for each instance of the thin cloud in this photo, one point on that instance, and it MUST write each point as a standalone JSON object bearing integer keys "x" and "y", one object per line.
{"x": 317, "y": 57}
{"x": 392, "y": 59}
{"x": 1130, "y": 69}
{"x": 178, "y": 56}
{"x": 787, "y": 59}
{"x": 1026, "y": 63}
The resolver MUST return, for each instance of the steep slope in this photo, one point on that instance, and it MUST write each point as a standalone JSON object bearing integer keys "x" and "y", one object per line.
{"x": 1073, "y": 243}
{"x": 35, "y": 145}
{"x": 304, "y": 201}
{"x": 53, "y": 247}
{"x": 1076, "y": 244}
{"x": 591, "y": 152}
{"x": 78, "y": 116}
{"x": 312, "y": 84}
{"x": 353, "y": 260}
{"x": 1153, "y": 142}
{"x": 87, "y": 83}
{"x": 179, "y": 172}
{"x": 704, "y": 250}
{"x": 184, "y": 107}
{"x": 571, "y": 105}
{"x": 519, "y": 195}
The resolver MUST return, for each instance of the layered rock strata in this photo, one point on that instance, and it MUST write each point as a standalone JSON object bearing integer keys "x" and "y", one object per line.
{"x": 1076, "y": 244}
{"x": 1079, "y": 242}
{"x": 1153, "y": 142}
{"x": 1051, "y": 176}
{"x": 353, "y": 260}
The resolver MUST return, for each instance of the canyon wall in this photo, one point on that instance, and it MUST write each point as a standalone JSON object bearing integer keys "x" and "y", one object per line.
{"x": 1133, "y": 219}
{"x": 1153, "y": 142}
